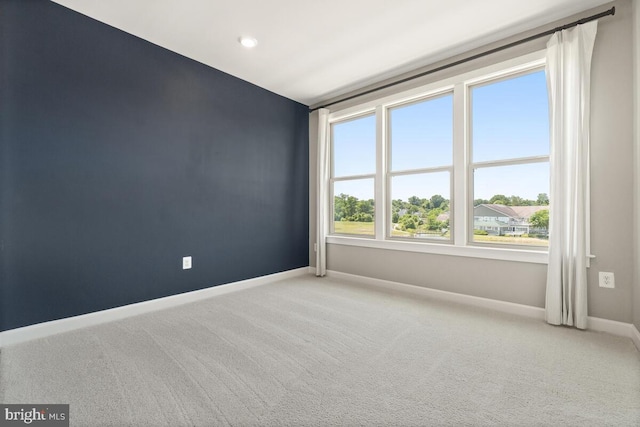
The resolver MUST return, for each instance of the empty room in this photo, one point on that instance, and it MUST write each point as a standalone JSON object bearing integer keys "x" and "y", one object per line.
{"x": 330, "y": 213}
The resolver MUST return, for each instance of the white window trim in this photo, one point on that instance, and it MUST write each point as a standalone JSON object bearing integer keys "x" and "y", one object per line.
{"x": 471, "y": 166}
{"x": 460, "y": 245}
{"x": 488, "y": 252}
{"x": 333, "y": 179}
{"x": 390, "y": 174}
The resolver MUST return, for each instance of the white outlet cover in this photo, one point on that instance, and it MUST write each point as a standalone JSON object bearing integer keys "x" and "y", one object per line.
{"x": 606, "y": 280}
{"x": 186, "y": 263}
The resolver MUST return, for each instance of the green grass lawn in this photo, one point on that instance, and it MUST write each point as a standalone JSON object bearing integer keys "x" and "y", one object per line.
{"x": 367, "y": 229}
{"x": 510, "y": 240}
{"x": 352, "y": 227}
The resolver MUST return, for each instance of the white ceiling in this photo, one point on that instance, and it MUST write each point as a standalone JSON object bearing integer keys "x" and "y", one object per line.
{"x": 310, "y": 51}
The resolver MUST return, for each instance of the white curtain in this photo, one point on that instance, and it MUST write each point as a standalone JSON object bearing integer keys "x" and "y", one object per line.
{"x": 569, "y": 78}
{"x": 322, "y": 191}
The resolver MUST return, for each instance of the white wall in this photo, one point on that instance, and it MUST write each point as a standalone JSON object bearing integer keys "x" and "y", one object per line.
{"x": 612, "y": 195}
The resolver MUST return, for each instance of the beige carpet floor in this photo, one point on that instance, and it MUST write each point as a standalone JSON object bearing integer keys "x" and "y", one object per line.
{"x": 322, "y": 352}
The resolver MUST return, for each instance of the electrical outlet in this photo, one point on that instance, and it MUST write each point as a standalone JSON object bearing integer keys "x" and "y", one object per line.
{"x": 186, "y": 263}
{"x": 606, "y": 280}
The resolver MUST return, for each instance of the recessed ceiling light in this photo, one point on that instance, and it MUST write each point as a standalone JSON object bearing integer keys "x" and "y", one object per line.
{"x": 248, "y": 42}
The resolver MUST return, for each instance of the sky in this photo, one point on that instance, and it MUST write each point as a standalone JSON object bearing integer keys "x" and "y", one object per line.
{"x": 509, "y": 119}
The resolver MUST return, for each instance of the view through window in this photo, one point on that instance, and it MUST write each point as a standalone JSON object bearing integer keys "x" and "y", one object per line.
{"x": 421, "y": 160}
{"x": 353, "y": 173}
{"x": 510, "y": 151}
{"x": 503, "y": 156}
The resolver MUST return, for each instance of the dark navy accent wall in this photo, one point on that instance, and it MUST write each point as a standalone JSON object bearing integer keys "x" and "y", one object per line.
{"x": 119, "y": 157}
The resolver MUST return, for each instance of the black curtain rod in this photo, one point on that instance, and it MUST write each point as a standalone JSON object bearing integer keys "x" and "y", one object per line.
{"x": 611, "y": 11}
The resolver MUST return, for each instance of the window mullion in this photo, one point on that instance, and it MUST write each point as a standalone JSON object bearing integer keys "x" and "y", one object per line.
{"x": 420, "y": 171}
{"x": 460, "y": 195}
{"x": 352, "y": 177}
{"x": 511, "y": 162}
{"x": 380, "y": 180}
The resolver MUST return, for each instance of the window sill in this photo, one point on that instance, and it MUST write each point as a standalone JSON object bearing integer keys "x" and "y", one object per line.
{"x": 504, "y": 254}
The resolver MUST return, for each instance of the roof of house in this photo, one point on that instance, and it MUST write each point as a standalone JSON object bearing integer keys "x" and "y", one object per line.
{"x": 513, "y": 211}
{"x": 502, "y": 210}
{"x": 527, "y": 211}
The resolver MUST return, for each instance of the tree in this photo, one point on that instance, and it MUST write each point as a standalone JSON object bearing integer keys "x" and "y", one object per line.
{"x": 432, "y": 220}
{"x": 436, "y": 201}
{"x": 415, "y": 201}
{"x": 516, "y": 201}
{"x": 408, "y": 222}
{"x": 397, "y": 204}
{"x": 543, "y": 199}
{"x": 344, "y": 207}
{"x": 350, "y": 208}
{"x": 540, "y": 219}
{"x": 350, "y": 204}
{"x": 362, "y": 217}
{"x": 338, "y": 207}
{"x": 499, "y": 199}
{"x": 364, "y": 206}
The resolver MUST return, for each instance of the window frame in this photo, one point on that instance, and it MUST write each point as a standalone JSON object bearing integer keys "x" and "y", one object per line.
{"x": 514, "y": 161}
{"x": 333, "y": 179}
{"x": 461, "y": 203}
{"x": 390, "y": 174}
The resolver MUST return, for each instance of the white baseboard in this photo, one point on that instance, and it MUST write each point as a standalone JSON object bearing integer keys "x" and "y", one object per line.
{"x": 45, "y": 329}
{"x": 594, "y": 323}
{"x": 502, "y": 306}
{"x": 41, "y": 330}
{"x": 615, "y": 328}
{"x": 635, "y": 336}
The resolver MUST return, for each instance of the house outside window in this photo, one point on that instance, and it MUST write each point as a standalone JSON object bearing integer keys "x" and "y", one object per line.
{"x": 453, "y": 167}
{"x": 420, "y": 166}
{"x": 509, "y": 148}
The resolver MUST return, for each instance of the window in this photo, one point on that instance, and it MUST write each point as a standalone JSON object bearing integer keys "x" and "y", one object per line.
{"x": 421, "y": 165}
{"x": 455, "y": 167}
{"x": 509, "y": 146}
{"x": 352, "y": 177}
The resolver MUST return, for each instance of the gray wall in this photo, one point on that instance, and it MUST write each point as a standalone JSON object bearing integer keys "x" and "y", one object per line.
{"x": 612, "y": 166}
{"x": 612, "y": 195}
{"x": 636, "y": 40}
